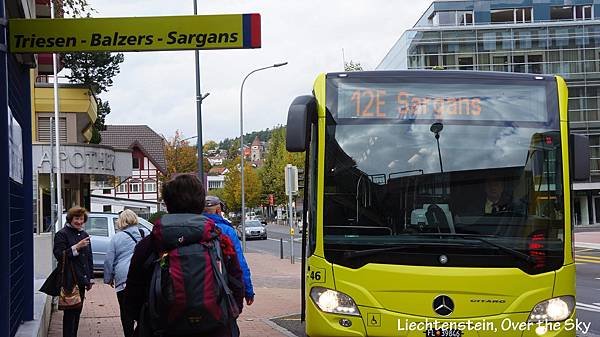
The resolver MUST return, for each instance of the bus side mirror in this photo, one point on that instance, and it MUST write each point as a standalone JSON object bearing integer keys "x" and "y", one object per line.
{"x": 580, "y": 157}
{"x": 300, "y": 114}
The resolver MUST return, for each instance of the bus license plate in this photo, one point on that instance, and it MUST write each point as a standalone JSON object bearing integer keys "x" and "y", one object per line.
{"x": 443, "y": 333}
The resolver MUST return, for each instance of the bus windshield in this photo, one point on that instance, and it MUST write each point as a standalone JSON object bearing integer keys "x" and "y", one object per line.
{"x": 466, "y": 170}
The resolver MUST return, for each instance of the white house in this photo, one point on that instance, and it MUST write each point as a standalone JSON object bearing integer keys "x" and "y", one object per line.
{"x": 139, "y": 192}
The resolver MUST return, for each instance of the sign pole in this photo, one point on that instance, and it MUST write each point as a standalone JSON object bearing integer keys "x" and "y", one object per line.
{"x": 199, "y": 111}
{"x": 59, "y": 207}
{"x": 288, "y": 172}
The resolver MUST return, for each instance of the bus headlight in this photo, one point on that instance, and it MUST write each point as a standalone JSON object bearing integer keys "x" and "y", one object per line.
{"x": 333, "y": 301}
{"x": 553, "y": 310}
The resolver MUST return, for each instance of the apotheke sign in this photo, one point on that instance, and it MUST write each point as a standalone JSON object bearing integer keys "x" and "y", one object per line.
{"x": 83, "y": 159}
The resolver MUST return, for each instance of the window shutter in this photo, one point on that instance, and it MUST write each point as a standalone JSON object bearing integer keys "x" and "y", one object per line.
{"x": 43, "y": 129}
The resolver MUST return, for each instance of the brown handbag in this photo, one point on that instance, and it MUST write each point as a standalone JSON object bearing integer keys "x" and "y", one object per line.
{"x": 69, "y": 299}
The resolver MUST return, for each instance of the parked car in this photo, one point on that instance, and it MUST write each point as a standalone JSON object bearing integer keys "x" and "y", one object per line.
{"x": 101, "y": 227}
{"x": 255, "y": 229}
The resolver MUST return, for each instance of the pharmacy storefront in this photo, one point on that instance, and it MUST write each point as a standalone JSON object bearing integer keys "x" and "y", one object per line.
{"x": 79, "y": 163}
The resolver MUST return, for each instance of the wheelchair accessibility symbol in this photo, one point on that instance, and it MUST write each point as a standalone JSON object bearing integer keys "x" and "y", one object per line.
{"x": 373, "y": 319}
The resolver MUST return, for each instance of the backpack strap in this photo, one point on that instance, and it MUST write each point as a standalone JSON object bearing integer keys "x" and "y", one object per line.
{"x": 142, "y": 233}
{"x": 131, "y": 236}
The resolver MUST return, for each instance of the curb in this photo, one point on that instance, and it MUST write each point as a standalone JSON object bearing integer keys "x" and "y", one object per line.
{"x": 587, "y": 245}
{"x": 277, "y": 327}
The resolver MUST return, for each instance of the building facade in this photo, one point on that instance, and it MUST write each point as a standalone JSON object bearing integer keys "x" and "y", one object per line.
{"x": 16, "y": 208}
{"x": 80, "y": 160}
{"x": 526, "y": 36}
{"x": 140, "y": 190}
{"x": 215, "y": 178}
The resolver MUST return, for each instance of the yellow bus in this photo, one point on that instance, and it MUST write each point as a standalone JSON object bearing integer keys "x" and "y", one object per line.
{"x": 437, "y": 203}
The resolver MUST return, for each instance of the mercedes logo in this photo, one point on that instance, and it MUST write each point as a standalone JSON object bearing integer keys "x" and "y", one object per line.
{"x": 443, "y": 305}
{"x": 443, "y": 259}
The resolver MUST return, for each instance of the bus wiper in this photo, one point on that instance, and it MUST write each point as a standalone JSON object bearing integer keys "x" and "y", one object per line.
{"x": 483, "y": 238}
{"x": 402, "y": 246}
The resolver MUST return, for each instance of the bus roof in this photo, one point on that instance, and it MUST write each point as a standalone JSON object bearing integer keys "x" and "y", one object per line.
{"x": 443, "y": 74}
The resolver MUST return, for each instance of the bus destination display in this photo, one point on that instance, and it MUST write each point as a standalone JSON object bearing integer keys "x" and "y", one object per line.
{"x": 441, "y": 101}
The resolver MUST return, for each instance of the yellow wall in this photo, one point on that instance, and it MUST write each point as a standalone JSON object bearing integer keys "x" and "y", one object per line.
{"x": 71, "y": 100}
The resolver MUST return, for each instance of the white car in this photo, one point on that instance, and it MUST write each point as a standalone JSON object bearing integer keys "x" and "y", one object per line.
{"x": 255, "y": 229}
{"x": 101, "y": 227}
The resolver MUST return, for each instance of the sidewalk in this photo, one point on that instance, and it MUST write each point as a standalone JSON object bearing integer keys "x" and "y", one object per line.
{"x": 276, "y": 284}
{"x": 587, "y": 240}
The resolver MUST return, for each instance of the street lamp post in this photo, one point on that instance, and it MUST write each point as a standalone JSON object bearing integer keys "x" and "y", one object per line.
{"x": 242, "y": 149}
{"x": 199, "y": 99}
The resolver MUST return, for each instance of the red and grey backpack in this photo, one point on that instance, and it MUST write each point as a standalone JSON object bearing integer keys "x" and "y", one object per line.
{"x": 189, "y": 292}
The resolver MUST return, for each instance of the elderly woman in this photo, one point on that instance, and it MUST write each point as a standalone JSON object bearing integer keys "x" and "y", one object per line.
{"x": 116, "y": 263}
{"x": 72, "y": 245}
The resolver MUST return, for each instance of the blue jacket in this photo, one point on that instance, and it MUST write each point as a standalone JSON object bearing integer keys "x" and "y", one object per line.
{"x": 118, "y": 256}
{"x": 228, "y": 230}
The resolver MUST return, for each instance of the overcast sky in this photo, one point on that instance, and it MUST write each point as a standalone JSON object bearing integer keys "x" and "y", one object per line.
{"x": 158, "y": 88}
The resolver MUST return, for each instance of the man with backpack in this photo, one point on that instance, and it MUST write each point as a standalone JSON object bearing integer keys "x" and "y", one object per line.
{"x": 184, "y": 278}
{"x": 212, "y": 209}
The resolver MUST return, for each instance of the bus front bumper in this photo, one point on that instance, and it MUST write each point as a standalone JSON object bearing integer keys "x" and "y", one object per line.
{"x": 380, "y": 322}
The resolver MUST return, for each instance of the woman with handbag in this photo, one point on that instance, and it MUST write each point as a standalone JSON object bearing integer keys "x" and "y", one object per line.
{"x": 118, "y": 257}
{"x": 74, "y": 254}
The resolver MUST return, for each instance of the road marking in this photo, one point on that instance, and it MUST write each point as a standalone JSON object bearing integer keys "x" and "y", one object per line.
{"x": 588, "y": 307}
{"x": 584, "y": 250}
{"x": 588, "y": 257}
{"x": 587, "y": 261}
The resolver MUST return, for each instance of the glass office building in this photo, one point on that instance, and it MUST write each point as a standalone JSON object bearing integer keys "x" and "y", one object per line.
{"x": 526, "y": 36}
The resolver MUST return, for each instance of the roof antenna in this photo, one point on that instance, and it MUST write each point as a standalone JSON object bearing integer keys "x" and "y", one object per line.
{"x": 344, "y": 59}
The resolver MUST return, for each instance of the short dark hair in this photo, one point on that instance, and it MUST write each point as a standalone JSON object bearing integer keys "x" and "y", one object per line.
{"x": 75, "y": 212}
{"x": 184, "y": 194}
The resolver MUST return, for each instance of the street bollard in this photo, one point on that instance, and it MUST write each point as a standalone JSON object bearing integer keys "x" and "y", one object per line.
{"x": 281, "y": 248}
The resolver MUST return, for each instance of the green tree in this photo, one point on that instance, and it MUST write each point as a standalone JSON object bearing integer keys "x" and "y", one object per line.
{"x": 273, "y": 172}
{"x": 72, "y": 8}
{"x": 180, "y": 156}
{"x": 210, "y": 145}
{"x": 96, "y": 71}
{"x": 232, "y": 190}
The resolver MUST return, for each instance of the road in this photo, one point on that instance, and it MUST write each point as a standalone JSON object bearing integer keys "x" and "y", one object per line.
{"x": 272, "y": 245}
{"x": 587, "y": 260}
{"x": 588, "y": 288}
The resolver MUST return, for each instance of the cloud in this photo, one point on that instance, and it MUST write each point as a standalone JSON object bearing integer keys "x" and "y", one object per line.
{"x": 158, "y": 88}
